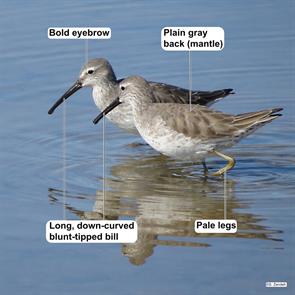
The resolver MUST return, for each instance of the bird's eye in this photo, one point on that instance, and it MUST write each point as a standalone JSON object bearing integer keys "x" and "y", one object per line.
{"x": 90, "y": 72}
{"x": 122, "y": 88}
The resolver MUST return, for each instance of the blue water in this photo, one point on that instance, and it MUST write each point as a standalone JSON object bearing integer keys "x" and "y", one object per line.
{"x": 164, "y": 196}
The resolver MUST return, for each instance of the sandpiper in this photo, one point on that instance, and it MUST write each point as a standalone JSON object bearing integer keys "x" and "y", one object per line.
{"x": 181, "y": 132}
{"x": 98, "y": 74}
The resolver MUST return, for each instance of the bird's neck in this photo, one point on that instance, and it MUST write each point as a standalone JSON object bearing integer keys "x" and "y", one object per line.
{"x": 139, "y": 107}
{"x": 111, "y": 76}
{"x": 104, "y": 92}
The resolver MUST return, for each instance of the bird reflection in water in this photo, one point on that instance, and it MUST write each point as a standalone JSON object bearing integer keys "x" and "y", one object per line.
{"x": 165, "y": 198}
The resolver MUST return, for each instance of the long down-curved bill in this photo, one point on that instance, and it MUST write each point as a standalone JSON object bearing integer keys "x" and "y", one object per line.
{"x": 75, "y": 87}
{"x": 114, "y": 104}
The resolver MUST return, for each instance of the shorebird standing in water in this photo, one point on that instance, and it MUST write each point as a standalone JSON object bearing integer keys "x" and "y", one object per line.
{"x": 181, "y": 132}
{"x": 98, "y": 74}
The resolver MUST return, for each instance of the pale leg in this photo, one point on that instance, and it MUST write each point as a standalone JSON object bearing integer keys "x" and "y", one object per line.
{"x": 229, "y": 166}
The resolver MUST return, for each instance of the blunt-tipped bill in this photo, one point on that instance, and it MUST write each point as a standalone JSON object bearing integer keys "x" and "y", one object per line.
{"x": 114, "y": 104}
{"x": 75, "y": 87}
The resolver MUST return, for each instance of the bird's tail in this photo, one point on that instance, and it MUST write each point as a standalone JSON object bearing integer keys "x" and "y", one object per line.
{"x": 208, "y": 98}
{"x": 249, "y": 122}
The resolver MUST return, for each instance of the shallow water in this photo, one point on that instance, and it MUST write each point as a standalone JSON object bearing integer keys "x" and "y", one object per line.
{"x": 164, "y": 196}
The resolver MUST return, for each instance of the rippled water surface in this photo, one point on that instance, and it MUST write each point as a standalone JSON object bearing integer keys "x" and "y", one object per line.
{"x": 164, "y": 196}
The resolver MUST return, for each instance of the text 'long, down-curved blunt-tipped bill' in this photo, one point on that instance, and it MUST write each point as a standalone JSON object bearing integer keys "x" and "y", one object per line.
{"x": 91, "y": 231}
